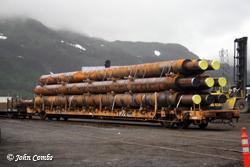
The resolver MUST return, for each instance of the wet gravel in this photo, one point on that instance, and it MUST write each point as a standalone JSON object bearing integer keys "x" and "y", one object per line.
{"x": 88, "y": 143}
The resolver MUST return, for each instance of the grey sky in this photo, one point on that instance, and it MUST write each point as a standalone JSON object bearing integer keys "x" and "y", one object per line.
{"x": 204, "y": 27}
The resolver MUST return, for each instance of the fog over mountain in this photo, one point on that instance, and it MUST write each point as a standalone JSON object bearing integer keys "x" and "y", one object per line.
{"x": 65, "y": 35}
{"x": 29, "y": 49}
{"x": 204, "y": 27}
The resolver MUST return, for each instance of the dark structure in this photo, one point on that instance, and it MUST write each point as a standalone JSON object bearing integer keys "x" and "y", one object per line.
{"x": 240, "y": 65}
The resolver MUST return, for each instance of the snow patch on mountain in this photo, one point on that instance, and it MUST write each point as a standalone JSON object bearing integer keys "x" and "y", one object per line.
{"x": 157, "y": 53}
{"x": 20, "y": 57}
{"x": 78, "y": 46}
{"x": 2, "y": 36}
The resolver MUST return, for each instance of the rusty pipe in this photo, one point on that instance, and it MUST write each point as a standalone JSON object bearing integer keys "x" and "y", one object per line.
{"x": 51, "y": 100}
{"x": 221, "y": 98}
{"x": 213, "y": 65}
{"x": 206, "y": 82}
{"x": 220, "y": 82}
{"x": 24, "y": 103}
{"x": 197, "y": 65}
{"x": 162, "y": 99}
{"x": 120, "y": 86}
{"x": 183, "y": 66}
{"x": 207, "y": 99}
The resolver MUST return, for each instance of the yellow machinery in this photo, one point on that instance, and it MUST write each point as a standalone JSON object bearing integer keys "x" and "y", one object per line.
{"x": 236, "y": 97}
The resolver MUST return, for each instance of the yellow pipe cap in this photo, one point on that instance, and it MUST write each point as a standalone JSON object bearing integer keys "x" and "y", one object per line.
{"x": 215, "y": 64}
{"x": 196, "y": 99}
{"x": 209, "y": 82}
{"x": 203, "y": 64}
{"x": 222, "y": 81}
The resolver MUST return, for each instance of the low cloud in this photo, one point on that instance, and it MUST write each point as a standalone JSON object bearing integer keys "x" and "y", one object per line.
{"x": 204, "y": 27}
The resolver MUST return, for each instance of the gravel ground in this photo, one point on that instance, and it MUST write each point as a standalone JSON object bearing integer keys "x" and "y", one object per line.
{"x": 86, "y": 143}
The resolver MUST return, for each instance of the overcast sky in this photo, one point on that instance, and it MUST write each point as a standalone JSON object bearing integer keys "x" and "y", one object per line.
{"x": 204, "y": 27}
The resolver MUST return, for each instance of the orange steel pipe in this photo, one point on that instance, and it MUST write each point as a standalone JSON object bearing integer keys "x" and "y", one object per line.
{"x": 222, "y": 98}
{"x": 120, "y": 86}
{"x": 163, "y": 99}
{"x": 183, "y": 66}
{"x": 207, "y": 99}
{"x": 220, "y": 82}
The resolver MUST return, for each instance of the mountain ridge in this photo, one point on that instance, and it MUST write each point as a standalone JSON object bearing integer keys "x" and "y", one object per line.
{"x": 32, "y": 49}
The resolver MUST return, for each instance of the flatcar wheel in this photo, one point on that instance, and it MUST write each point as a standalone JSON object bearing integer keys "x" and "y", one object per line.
{"x": 65, "y": 118}
{"x": 58, "y": 118}
{"x": 203, "y": 125}
{"x": 9, "y": 115}
{"x": 183, "y": 125}
{"x": 42, "y": 115}
{"x": 165, "y": 124}
{"x": 50, "y": 118}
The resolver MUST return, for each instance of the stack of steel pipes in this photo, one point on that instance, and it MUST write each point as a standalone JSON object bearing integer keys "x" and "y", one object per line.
{"x": 170, "y": 84}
